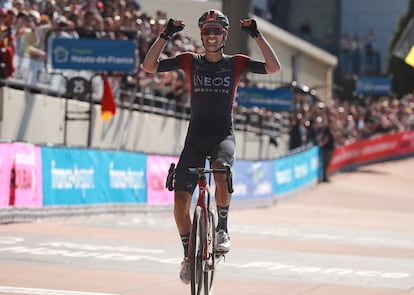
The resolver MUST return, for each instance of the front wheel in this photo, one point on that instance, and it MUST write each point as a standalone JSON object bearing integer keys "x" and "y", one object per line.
{"x": 196, "y": 252}
{"x": 211, "y": 261}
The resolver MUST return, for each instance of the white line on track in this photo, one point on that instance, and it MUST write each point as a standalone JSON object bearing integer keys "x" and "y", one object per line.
{"x": 34, "y": 291}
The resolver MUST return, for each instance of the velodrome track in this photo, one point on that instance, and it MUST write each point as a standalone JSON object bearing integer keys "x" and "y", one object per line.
{"x": 354, "y": 235}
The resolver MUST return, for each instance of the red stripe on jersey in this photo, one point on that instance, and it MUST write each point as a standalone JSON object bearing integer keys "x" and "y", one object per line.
{"x": 240, "y": 61}
{"x": 186, "y": 63}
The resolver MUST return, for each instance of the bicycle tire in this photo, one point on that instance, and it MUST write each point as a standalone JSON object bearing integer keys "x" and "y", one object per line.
{"x": 196, "y": 252}
{"x": 211, "y": 261}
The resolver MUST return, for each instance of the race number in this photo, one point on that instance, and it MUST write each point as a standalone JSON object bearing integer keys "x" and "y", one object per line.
{"x": 78, "y": 88}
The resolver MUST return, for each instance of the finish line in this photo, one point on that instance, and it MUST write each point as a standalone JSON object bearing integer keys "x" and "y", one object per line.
{"x": 35, "y": 291}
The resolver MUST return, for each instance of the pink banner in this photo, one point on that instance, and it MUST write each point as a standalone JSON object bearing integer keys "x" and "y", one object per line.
{"x": 26, "y": 176}
{"x": 6, "y": 159}
{"x": 157, "y": 171}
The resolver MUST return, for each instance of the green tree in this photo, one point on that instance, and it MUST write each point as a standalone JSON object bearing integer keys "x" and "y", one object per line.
{"x": 402, "y": 73}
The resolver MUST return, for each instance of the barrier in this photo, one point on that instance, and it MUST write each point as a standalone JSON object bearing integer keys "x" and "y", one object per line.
{"x": 371, "y": 150}
{"x": 296, "y": 171}
{"x": 73, "y": 177}
{"x": 20, "y": 175}
{"x": 157, "y": 171}
{"x": 37, "y": 181}
{"x": 81, "y": 176}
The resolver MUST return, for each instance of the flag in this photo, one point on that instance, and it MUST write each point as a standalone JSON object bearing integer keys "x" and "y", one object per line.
{"x": 108, "y": 106}
{"x": 409, "y": 59}
{"x": 404, "y": 47}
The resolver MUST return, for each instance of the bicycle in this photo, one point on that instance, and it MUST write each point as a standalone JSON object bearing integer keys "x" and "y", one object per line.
{"x": 201, "y": 253}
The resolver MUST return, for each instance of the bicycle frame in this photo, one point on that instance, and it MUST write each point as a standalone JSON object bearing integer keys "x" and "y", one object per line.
{"x": 205, "y": 229}
{"x": 204, "y": 205}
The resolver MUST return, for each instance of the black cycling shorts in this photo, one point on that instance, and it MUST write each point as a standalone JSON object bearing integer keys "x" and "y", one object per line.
{"x": 194, "y": 155}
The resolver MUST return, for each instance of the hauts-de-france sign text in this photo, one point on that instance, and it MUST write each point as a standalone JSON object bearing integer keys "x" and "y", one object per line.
{"x": 93, "y": 54}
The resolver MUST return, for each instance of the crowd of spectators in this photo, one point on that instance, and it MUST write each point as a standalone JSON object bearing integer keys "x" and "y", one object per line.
{"x": 24, "y": 24}
{"x": 350, "y": 120}
{"x": 27, "y": 22}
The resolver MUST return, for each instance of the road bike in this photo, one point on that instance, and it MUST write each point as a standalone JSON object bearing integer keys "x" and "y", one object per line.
{"x": 201, "y": 253}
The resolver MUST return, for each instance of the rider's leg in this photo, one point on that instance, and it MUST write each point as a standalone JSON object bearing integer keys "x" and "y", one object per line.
{"x": 224, "y": 153}
{"x": 223, "y": 202}
{"x": 182, "y": 203}
{"x": 222, "y": 196}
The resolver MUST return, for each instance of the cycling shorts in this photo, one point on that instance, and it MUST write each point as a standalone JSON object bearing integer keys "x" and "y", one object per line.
{"x": 194, "y": 154}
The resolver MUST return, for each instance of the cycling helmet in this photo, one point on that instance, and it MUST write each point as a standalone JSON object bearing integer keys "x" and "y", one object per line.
{"x": 214, "y": 16}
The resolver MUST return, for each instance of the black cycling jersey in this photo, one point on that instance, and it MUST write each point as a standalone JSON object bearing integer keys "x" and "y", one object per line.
{"x": 213, "y": 88}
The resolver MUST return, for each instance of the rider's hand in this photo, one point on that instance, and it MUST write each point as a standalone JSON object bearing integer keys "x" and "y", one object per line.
{"x": 250, "y": 26}
{"x": 173, "y": 26}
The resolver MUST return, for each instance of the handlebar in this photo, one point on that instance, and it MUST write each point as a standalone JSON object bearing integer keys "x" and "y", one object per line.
{"x": 169, "y": 184}
{"x": 201, "y": 172}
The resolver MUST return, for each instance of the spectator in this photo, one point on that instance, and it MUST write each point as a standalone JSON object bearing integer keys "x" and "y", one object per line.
{"x": 25, "y": 35}
{"x": 92, "y": 24}
{"x": 20, "y": 5}
{"x": 356, "y": 55}
{"x": 298, "y": 135}
{"x": 6, "y": 37}
{"x": 370, "y": 49}
{"x": 179, "y": 94}
{"x": 50, "y": 9}
{"x": 330, "y": 43}
{"x": 65, "y": 28}
{"x": 326, "y": 143}
{"x": 305, "y": 30}
{"x": 37, "y": 51}
{"x": 346, "y": 57}
{"x": 6, "y": 4}
{"x": 7, "y": 47}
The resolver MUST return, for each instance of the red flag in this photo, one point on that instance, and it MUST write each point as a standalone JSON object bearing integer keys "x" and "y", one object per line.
{"x": 108, "y": 106}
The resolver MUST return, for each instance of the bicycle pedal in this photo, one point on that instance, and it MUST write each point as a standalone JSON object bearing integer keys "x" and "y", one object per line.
{"x": 209, "y": 267}
{"x": 221, "y": 253}
{"x": 220, "y": 257}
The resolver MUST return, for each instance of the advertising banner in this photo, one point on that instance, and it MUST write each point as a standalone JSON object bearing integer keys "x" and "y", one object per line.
{"x": 94, "y": 54}
{"x": 80, "y": 176}
{"x": 157, "y": 171}
{"x": 295, "y": 171}
{"x": 373, "y": 85}
{"x": 6, "y": 158}
{"x": 30, "y": 72}
{"x": 252, "y": 180}
{"x": 272, "y": 99}
{"x": 363, "y": 151}
{"x": 406, "y": 143}
{"x": 20, "y": 175}
{"x": 372, "y": 149}
{"x": 127, "y": 176}
{"x": 26, "y": 176}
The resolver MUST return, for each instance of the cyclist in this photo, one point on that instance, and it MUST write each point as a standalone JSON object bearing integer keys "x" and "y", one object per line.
{"x": 213, "y": 78}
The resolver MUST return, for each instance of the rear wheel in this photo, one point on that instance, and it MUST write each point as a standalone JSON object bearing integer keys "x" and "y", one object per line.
{"x": 196, "y": 252}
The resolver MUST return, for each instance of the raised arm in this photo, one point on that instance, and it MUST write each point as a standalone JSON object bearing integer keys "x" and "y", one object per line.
{"x": 150, "y": 63}
{"x": 272, "y": 63}
{"x": 151, "y": 60}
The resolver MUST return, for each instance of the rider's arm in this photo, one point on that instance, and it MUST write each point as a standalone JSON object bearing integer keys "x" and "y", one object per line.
{"x": 272, "y": 63}
{"x": 151, "y": 60}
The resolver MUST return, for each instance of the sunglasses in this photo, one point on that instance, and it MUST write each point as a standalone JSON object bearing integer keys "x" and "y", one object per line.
{"x": 215, "y": 30}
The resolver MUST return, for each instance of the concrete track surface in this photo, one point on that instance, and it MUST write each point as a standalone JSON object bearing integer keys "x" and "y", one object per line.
{"x": 354, "y": 235}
